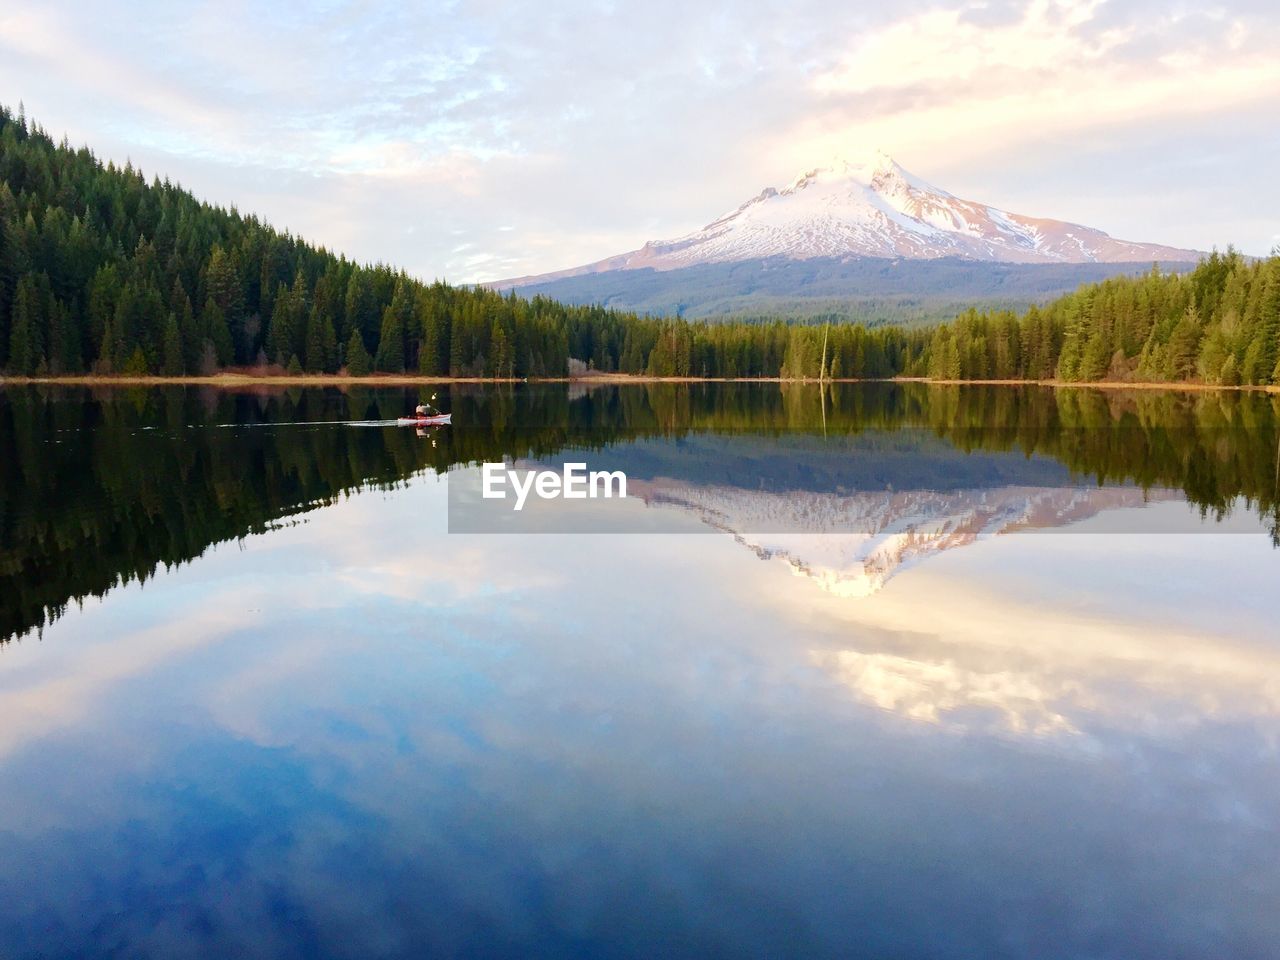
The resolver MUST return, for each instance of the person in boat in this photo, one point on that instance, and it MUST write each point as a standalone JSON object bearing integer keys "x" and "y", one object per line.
{"x": 423, "y": 411}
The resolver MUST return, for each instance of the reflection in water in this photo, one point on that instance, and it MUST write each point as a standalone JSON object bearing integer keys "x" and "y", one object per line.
{"x": 104, "y": 487}
{"x": 506, "y": 747}
{"x": 937, "y": 691}
{"x": 852, "y": 545}
{"x": 360, "y": 736}
{"x": 1075, "y": 637}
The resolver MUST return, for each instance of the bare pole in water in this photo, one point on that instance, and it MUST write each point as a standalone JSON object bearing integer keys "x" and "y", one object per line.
{"x": 822, "y": 394}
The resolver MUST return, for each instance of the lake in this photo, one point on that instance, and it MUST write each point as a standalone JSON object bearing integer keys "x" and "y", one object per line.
{"x": 870, "y": 670}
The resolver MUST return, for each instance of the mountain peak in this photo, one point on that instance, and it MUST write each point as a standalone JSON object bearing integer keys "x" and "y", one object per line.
{"x": 865, "y": 204}
{"x": 867, "y": 163}
{"x": 864, "y": 168}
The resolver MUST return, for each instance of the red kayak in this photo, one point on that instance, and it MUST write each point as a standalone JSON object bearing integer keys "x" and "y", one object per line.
{"x": 432, "y": 421}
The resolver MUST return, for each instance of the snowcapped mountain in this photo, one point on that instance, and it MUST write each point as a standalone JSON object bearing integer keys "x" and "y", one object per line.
{"x": 873, "y": 208}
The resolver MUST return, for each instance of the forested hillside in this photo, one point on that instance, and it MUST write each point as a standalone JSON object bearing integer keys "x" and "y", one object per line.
{"x": 104, "y": 271}
{"x": 1218, "y": 324}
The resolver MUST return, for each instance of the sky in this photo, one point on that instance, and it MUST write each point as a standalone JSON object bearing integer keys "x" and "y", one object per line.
{"x": 477, "y": 141}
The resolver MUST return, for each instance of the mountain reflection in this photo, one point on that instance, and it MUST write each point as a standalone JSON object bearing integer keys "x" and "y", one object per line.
{"x": 851, "y": 545}
{"x": 102, "y": 487}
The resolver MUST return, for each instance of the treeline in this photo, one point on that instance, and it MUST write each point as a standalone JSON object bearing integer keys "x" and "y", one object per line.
{"x": 1218, "y": 324}
{"x": 104, "y": 272}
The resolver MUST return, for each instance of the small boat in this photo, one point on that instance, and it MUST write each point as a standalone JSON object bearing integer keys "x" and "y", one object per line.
{"x": 425, "y": 416}
{"x": 429, "y": 421}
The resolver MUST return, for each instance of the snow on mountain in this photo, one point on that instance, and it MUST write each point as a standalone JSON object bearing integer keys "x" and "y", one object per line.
{"x": 874, "y": 208}
{"x": 852, "y": 544}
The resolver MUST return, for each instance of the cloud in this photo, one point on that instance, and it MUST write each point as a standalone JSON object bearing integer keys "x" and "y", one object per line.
{"x": 937, "y": 80}
{"x": 41, "y": 39}
{"x": 943, "y": 46}
{"x": 587, "y": 128}
{"x": 38, "y": 703}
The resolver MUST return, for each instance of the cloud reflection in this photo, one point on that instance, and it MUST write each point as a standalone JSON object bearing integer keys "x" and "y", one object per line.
{"x": 653, "y": 741}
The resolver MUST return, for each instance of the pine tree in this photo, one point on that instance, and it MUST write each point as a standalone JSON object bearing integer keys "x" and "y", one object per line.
{"x": 25, "y": 355}
{"x": 944, "y": 356}
{"x": 501, "y": 366}
{"x": 459, "y": 337}
{"x": 136, "y": 364}
{"x": 1068, "y": 368}
{"x": 190, "y": 334}
{"x": 802, "y": 358}
{"x": 222, "y": 283}
{"x": 329, "y": 343}
{"x": 174, "y": 364}
{"x": 1254, "y": 370}
{"x": 360, "y": 311}
{"x": 1230, "y": 375}
{"x": 662, "y": 362}
{"x": 432, "y": 352}
{"x": 321, "y": 341}
{"x": 951, "y": 361}
{"x": 72, "y": 349}
{"x": 1184, "y": 345}
{"x": 299, "y": 296}
{"x": 103, "y": 291}
{"x": 104, "y": 364}
{"x": 1213, "y": 356}
{"x": 214, "y": 325}
{"x": 13, "y": 264}
{"x": 391, "y": 341}
{"x": 1093, "y": 362}
{"x": 1269, "y": 327}
{"x": 124, "y": 327}
{"x": 62, "y": 345}
{"x": 280, "y": 333}
{"x": 358, "y": 361}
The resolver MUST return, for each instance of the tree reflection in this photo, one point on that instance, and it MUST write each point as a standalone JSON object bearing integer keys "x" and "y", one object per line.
{"x": 103, "y": 487}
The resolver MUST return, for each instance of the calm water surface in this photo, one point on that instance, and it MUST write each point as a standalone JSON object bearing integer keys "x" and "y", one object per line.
{"x": 880, "y": 671}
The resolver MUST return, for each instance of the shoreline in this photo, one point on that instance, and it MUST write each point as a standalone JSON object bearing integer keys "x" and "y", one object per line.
{"x": 231, "y": 380}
